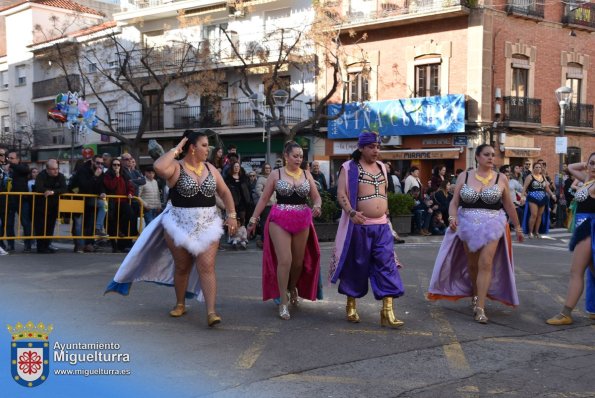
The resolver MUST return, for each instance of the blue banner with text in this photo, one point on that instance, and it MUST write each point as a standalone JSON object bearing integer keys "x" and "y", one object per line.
{"x": 409, "y": 116}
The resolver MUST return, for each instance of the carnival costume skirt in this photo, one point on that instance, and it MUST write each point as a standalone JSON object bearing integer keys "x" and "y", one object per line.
{"x": 540, "y": 198}
{"x": 585, "y": 229}
{"x": 451, "y": 279}
{"x": 293, "y": 219}
{"x": 150, "y": 260}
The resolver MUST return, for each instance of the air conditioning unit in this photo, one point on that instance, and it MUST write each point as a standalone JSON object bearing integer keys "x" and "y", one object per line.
{"x": 391, "y": 140}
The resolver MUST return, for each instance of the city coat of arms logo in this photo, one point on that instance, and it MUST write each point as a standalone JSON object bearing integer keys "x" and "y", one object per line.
{"x": 30, "y": 353}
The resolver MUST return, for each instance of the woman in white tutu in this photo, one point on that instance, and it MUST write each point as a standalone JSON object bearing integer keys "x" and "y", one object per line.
{"x": 190, "y": 226}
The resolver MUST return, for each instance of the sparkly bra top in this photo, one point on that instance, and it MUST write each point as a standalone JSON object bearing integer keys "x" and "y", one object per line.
{"x": 290, "y": 194}
{"x": 188, "y": 193}
{"x": 585, "y": 202}
{"x": 488, "y": 198}
{"x": 537, "y": 185}
{"x": 376, "y": 180}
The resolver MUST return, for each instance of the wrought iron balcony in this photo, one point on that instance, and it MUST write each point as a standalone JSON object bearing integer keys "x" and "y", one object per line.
{"x": 579, "y": 115}
{"x": 528, "y": 8}
{"x": 582, "y": 14}
{"x": 52, "y": 87}
{"x": 128, "y": 122}
{"x": 191, "y": 117}
{"x": 243, "y": 115}
{"x": 374, "y": 11}
{"x": 522, "y": 109}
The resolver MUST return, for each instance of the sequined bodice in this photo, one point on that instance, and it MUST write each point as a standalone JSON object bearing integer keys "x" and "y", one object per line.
{"x": 537, "y": 185}
{"x": 285, "y": 188}
{"x": 583, "y": 193}
{"x": 491, "y": 195}
{"x": 376, "y": 180}
{"x": 188, "y": 187}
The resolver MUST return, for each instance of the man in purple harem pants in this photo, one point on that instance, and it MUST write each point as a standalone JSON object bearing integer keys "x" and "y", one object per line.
{"x": 364, "y": 246}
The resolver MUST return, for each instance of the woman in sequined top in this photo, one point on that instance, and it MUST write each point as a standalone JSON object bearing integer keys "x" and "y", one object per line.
{"x": 477, "y": 244}
{"x": 582, "y": 244}
{"x": 192, "y": 225}
{"x": 291, "y": 256}
{"x": 536, "y": 190}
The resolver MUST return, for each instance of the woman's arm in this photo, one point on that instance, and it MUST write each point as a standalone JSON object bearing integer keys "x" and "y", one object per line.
{"x": 579, "y": 170}
{"x": 167, "y": 166}
{"x": 269, "y": 187}
{"x": 510, "y": 209}
{"x": 314, "y": 195}
{"x": 225, "y": 195}
{"x": 526, "y": 185}
{"x": 454, "y": 203}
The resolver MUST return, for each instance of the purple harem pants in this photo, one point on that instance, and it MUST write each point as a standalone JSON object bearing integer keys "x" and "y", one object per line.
{"x": 371, "y": 255}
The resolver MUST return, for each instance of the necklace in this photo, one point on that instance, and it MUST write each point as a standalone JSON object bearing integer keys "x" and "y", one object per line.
{"x": 485, "y": 181}
{"x": 296, "y": 175}
{"x": 196, "y": 170}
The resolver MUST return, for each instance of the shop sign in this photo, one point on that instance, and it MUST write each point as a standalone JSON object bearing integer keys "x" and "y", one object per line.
{"x": 344, "y": 147}
{"x": 436, "y": 141}
{"x": 420, "y": 155}
{"x": 521, "y": 152}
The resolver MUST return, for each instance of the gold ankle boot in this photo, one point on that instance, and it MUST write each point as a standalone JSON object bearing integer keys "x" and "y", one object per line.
{"x": 387, "y": 316}
{"x": 352, "y": 315}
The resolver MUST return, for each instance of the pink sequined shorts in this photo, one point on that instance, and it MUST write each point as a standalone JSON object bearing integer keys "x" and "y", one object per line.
{"x": 292, "y": 218}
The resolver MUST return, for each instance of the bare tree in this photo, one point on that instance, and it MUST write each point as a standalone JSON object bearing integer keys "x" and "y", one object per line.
{"x": 103, "y": 62}
{"x": 316, "y": 49}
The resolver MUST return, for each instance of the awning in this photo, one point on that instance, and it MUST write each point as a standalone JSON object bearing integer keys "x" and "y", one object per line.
{"x": 427, "y": 153}
{"x": 521, "y": 152}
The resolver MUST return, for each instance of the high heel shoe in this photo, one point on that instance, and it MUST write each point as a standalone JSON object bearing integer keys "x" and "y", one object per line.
{"x": 530, "y": 236}
{"x": 293, "y": 296}
{"x": 284, "y": 312}
{"x": 480, "y": 315}
{"x": 352, "y": 315}
{"x": 213, "y": 319}
{"x": 474, "y": 303}
{"x": 179, "y": 310}
{"x": 387, "y": 316}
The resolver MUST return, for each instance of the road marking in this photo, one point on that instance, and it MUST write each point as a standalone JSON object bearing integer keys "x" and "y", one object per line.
{"x": 382, "y": 332}
{"x": 580, "y": 347}
{"x": 453, "y": 351}
{"x": 548, "y": 247}
{"x": 251, "y": 355}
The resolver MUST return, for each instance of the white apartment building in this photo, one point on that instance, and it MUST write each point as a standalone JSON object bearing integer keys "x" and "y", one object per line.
{"x": 158, "y": 24}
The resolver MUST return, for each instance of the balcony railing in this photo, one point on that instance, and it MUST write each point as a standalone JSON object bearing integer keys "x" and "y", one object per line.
{"x": 128, "y": 121}
{"x": 579, "y": 115}
{"x": 242, "y": 114}
{"x": 52, "y": 87}
{"x": 522, "y": 109}
{"x": 580, "y": 14}
{"x": 359, "y": 11}
{"x": 163, "y": 56}
{"x": 529, "y": 8}
{"x": 191, "y": 117}
{"x": 229, "y": 113}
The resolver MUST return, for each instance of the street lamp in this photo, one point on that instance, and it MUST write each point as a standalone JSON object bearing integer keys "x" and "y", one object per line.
{"x": 257, "y": 102}
{"x": 564, "y": 97}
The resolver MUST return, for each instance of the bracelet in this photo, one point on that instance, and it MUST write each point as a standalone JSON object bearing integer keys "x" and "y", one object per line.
{"x": 316, "y": 207}
{"x": 352, "y": 213}
{"x": 232, "y": 214}
{"x": 254, "y": 220}
{"x": 175, "y": 151}
{"x": 450, "y": 218}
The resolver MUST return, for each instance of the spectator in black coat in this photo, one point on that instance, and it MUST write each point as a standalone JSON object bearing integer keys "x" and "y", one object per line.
{"x": 51, "y": 183}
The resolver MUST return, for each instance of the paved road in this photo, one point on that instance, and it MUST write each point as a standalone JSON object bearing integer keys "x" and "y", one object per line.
{"x": 440, "y": 352}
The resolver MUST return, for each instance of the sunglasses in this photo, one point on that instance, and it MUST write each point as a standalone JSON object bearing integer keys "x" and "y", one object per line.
{"x": 2, "y": 154}
{"x": 116, "y": 165}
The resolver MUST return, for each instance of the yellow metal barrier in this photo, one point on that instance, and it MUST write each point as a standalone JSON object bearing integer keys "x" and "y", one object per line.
{"x": 72, "y": 207}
